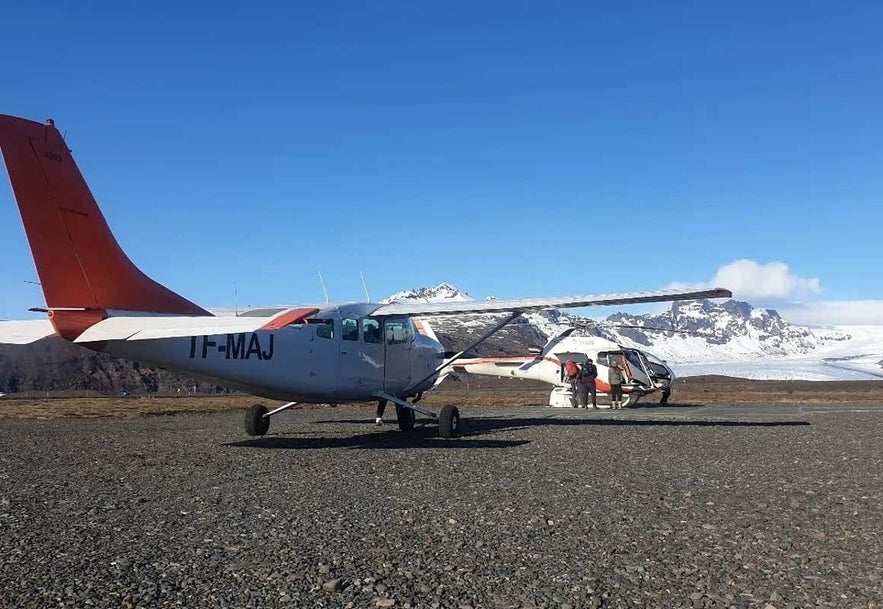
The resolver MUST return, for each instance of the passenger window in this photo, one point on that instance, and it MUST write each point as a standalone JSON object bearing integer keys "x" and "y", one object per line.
{"x": 371, "y": 330}
{"x": 349, "y": 329}
{"x": 324, "y": 327}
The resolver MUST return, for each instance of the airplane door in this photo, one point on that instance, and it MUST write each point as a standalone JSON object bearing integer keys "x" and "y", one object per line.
{"x": 322, "y": 349}
{"x": 398, "y": 341}
{"x": 361, "y": 357}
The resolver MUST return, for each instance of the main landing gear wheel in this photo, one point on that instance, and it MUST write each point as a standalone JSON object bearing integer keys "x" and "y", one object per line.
{"x": 449, "y": 422}
{"x": 405, "y": 417}
{"x": 256, "y": 424}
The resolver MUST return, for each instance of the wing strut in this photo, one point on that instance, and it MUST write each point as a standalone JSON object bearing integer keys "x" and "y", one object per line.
{"x": 506, "y": 320}
{"x": 280, "y": 409}
{"x": 404, "y": 404}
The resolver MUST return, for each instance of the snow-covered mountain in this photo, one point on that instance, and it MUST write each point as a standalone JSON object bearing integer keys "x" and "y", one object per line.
{"x": 443, "y": 291}
{"x": 695, "y": 337}
{"x": 725, "y": 329}
{"x": 735, "y": 339}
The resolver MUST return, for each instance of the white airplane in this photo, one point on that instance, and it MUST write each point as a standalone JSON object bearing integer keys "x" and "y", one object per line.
{"x": 96, "y": 297}
{"x": 645, "y": 373}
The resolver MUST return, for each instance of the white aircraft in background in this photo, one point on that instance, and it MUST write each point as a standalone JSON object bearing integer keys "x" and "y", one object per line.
{"x": 96, "y": 297}
{"x": 644, "y": 372}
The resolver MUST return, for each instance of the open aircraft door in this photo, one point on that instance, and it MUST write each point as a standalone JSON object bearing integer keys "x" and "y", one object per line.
{"x": 633, "y": 362}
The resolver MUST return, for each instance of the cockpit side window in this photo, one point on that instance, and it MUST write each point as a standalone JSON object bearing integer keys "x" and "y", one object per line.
{"x": 349, "y": 329}
{"x": 371, "y": 330}
{"x": 324, "y": 327}
{"x": 398, "y": 331}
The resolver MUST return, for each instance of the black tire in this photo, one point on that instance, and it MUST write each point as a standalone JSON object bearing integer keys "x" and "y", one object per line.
{"x": 449, "y": 422}
{"x": 256, "y": 424}
{"x": 405, "y": 417}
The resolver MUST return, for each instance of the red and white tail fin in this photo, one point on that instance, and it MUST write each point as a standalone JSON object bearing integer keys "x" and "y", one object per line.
{"x": 80, "y": 263}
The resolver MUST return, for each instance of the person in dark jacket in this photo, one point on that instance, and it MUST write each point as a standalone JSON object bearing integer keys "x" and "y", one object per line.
{"x": 587, "y": 375}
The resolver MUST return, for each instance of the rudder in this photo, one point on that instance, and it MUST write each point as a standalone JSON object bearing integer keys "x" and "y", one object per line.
{"x": 78, "y": 260}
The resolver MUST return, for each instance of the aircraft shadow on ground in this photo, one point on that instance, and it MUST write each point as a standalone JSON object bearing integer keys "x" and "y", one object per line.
{"x": 419, "y": 437}
{"x": 489, "y": 425}
{"x": 425, "y": 435}
{"x": 656, "y": 405}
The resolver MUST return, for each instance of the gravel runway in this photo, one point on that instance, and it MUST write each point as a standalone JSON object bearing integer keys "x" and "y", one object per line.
{"x": 740, "y": 506}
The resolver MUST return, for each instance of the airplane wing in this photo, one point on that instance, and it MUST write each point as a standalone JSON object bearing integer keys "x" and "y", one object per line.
{"x": 540, "y": 304}
{"x": 25, "y": 332}
{"x": 175, "y": 326}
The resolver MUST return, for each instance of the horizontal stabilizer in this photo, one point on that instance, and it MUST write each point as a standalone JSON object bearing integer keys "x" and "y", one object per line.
{"x": 25, "y": 332}
{"x": 174, "y": 326}
{"x": 541, "y": 304}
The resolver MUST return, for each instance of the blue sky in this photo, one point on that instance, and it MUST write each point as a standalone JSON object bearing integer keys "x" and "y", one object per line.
{"x": 512, "y": 149}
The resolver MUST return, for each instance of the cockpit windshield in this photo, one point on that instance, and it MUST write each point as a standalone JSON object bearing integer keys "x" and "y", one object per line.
{"x": 657, "y": 367}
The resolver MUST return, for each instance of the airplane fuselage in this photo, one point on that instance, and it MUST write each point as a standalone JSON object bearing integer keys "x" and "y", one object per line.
{"x": 339, "y": 354}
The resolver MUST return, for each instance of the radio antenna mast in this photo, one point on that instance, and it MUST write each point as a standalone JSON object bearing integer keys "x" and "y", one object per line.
{"x": 322, "y": 281}
{"x": 365, "y": 285}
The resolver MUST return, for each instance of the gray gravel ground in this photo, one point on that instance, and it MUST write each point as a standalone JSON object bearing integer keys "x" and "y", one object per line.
{"x": 668, "y": 507}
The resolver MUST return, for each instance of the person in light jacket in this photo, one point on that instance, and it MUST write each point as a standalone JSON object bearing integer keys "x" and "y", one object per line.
{"x": 615, "y": 376}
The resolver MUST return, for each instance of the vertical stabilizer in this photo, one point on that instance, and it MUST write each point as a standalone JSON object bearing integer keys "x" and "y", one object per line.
{"x": 80, "y": 263}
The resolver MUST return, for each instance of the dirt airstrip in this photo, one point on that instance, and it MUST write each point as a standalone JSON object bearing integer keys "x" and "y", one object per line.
{"x": 741, "y": 494}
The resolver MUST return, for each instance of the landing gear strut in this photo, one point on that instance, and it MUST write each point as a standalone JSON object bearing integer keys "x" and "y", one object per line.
{"x": 257, "y": 419}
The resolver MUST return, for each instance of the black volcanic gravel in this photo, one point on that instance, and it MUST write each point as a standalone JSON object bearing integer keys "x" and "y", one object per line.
{"x": 676, "y": 507}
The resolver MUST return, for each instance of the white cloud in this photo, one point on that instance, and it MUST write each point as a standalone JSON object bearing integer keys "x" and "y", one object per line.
{"x": 748, "y": 279}
{"x": 773, "y": 286}
{"x": 834, "y": 312}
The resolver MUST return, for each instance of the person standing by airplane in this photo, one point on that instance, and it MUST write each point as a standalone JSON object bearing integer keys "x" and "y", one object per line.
{"x": 571, "y": 370}
{"x": 381, "y": 406}
{"x": 587, "y": 375}
{"x": 615, "y": 376}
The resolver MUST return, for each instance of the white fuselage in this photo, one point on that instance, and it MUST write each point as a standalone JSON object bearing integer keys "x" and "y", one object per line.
{"x": 644, "y": 373}
{"x": 341, "y": 354}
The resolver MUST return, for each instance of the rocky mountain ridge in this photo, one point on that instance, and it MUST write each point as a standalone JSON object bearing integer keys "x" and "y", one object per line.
{"x": 688, "y": 331}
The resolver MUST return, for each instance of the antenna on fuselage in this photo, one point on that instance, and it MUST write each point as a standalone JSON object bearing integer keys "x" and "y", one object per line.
{"x": 365, "y": 285}
{"x": 322, "y": 281}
